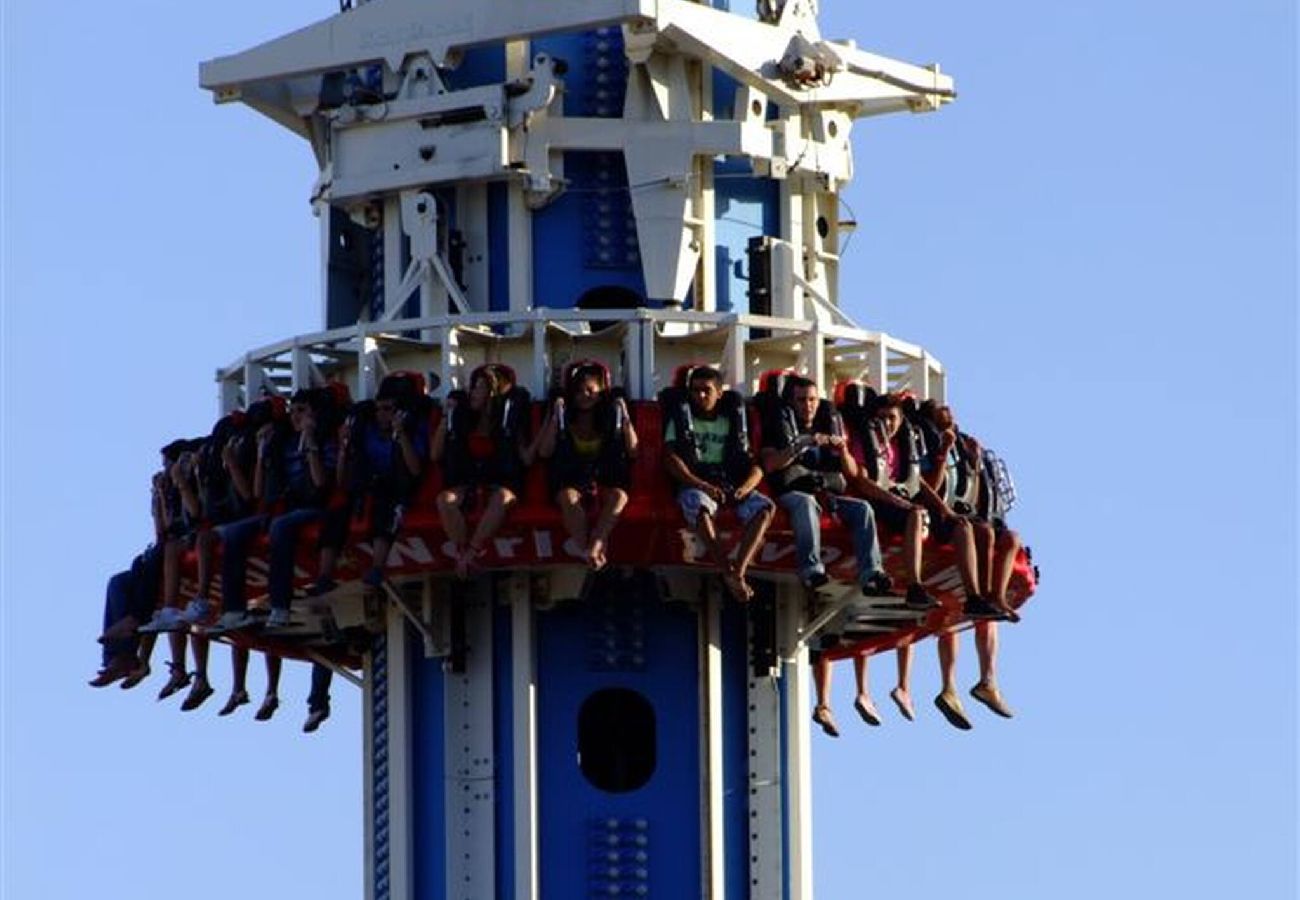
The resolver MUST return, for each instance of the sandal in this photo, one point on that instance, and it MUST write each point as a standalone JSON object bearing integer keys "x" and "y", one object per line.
{"x": 179, "y": 679}
{"x": 233, "y": 702}
{"x": 992, "y": 698}
{"x": 200, "y": 692}
{"x": 139, "y": 674}
{"x": 1008, "y": 611}
{"x": 950, "y": 706}
{"x": 904, "y": 703}
{"x": 823, "y": 717}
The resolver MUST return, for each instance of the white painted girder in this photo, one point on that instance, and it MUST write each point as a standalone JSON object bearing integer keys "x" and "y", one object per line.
{"x": 388, "y": 32}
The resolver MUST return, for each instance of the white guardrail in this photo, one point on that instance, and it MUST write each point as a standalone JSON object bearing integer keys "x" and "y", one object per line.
{"x": 641, "y": 347}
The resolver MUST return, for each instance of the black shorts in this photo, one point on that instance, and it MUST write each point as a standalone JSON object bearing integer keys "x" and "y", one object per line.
{"x": 889, "y": 516}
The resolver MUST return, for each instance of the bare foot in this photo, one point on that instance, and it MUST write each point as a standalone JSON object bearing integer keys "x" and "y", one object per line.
{"x": 903, "y": 700}
{"x": 596, "y": 555}
{"x": 737, "y": 587}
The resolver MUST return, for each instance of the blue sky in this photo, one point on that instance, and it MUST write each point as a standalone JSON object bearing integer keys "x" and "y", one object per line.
{"x": 1099, "y": 241}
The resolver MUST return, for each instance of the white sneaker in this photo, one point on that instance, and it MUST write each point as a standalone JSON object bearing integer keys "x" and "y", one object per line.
{"x": 166, "y": 619}
{"x": 197, "y": 611}
{"x": 279, "y": 618}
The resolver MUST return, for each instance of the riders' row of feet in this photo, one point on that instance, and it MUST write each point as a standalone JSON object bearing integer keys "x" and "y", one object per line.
{"x": 127, "y": 656}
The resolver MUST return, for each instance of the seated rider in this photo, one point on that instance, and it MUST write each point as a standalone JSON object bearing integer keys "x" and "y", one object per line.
{"x": 292, "y": 475}
{"x": 590, "y": 440}
{"x": 383, "y": 452}
{"x": 955, "y": 470}
{"x": 707, "y": 454}
{"x": 893, "y": 456}
{"x": 130, "y": 599}
{"x": 808, "y": 469}
{"x": 808, "y": 464}
{"x": 483, "y": 448}
{"x": 182, "y": 516}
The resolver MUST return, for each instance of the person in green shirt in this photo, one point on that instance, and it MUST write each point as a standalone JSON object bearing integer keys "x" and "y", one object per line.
{"x": 707, "y": 454}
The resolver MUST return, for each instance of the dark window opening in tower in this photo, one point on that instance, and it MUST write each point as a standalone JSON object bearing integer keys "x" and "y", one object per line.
{"x": 616, "y": 740}
{"x": 608, "y": 297}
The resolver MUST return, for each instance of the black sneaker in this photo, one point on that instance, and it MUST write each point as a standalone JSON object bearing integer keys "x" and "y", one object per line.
{"x": 919, "y": 598}
{"x": 878, "y": 585}
{"x": 817, "y": 580}
{"x": 979, "y": 608}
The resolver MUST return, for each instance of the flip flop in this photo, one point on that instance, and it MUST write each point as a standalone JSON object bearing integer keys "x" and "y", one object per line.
{"x": 867, "y": 711}
{"x": 952, "y": 711}
{"x": 992, "y": 699}
{"x": 904, "y": 705}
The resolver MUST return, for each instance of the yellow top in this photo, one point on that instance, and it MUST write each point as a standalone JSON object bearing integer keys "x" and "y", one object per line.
{"x": 587, "y": 448}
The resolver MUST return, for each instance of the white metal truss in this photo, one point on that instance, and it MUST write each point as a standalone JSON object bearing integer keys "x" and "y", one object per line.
{"x": 469, "y": 754}
{"x": 713, "y": 819}
{"x": 766, "y": 799}
{"x": 387, "y": 747}
{"x": 795, "y": 738}
{"x": 523, "y": 692}
{"x": 418, "y": 132}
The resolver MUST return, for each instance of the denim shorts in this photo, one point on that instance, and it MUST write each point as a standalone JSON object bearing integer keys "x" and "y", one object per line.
{"x": 693, "y": 501}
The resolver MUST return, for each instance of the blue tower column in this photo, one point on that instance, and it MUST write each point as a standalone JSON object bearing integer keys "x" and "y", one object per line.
{"x": 618, "y": 745}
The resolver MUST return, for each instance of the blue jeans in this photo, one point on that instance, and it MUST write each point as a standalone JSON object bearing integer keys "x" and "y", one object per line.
{"x": 319, "y": 698}
{"x": 284, "y": 550}
{"x": 235, "y": 538}
{"x": 132, "y": 593}
{"x": 805, "y": 522}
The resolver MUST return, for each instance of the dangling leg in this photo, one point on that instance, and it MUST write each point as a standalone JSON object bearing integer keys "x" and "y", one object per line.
{"x": 574, "y": 518}
{"x": 611, "y": 508}
{"x": 822, "y": 685}
{"x": 272, "y": 700}
{"x": 948, "y": 702}
{"x": 902, "y": 692}
{"x": 862, "y": 703}
{"x": 1007, "y": 548}
{"x": 239, "y": 681}
{"x": 202, "y": 689}
{"x": 453, "y": 522}
{"x": 759, "y": 510}
{"x": 986, "y": 691}
{"x": 499, "y": 502}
